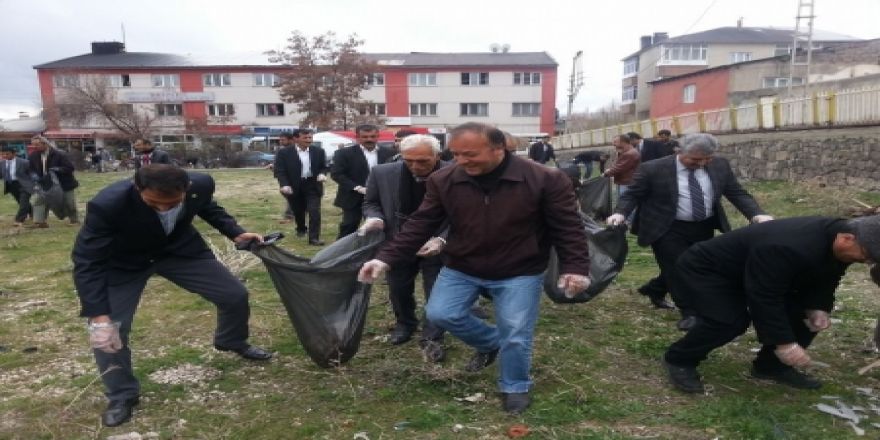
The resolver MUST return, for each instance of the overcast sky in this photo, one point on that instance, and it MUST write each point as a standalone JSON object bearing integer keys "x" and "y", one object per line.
{"x": 39, "y": 31}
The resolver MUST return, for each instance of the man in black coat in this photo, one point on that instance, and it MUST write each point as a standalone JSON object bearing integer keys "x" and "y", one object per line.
{"x": 16, "y": 176}
{"x": 46, "y": 159}
{"x": 542, "y": 151}
{"x": 350, "y": 169}
{"x": 781, "y": 277}
{"x": 300, "y": 170}
{"x": 679, "y": 204}
{"x": 650, "y": 149}
{"x": 133, "y": 230}
{"x": 146, "y": 154}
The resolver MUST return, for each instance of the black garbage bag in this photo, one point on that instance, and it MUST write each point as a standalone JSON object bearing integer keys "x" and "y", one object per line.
{"x": 608, "y": 249}
{"x": 50, "y": 191}
{"x": 325, "y": 303}
{"x": 594, "y": 196}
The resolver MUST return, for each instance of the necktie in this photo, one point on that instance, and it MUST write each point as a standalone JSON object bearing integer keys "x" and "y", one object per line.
{"x": 145, "y": 159}
{"x": 698, "y": 205}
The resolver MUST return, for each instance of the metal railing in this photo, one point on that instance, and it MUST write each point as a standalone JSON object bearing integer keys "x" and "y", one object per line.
{"x": 821, "y": 110}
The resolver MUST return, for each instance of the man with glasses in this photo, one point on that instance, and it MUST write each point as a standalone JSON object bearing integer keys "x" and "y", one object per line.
{"x": 780, "y": 276}
{"x": 679, "y": 204}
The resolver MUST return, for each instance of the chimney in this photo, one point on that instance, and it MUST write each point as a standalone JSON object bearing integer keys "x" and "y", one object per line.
{"x": 107, "y": 47}
{"x": 660, "y": 37}
{"x": 644, "y": 41}
{"x": 739, "y": 23}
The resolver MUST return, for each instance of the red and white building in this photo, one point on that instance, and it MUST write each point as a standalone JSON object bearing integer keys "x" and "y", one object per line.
{"x": 514, "y": 91}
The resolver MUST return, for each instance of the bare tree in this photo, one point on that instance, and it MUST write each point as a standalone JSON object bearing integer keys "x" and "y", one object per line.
{"x": 91, "y": 100}
{"x": 325, "y": 78}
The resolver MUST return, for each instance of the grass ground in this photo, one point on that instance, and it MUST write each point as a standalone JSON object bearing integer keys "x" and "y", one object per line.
{"x": 595, "y": 365}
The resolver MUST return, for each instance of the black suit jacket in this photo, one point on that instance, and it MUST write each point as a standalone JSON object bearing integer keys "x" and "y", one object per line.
{"x": 22, "y": 175}
{"x": 537, "y": 153}
{"x": 58, "y": 160}
{"x": 156, "y": 156}
{"x": 764, "y": 269}
{"x": 350, "y": 169}
{"x": 122, "y": 235}
{"x": 652, "y": 149}
{"x": 655, "y": 192}
{"x": 288, "y": 167}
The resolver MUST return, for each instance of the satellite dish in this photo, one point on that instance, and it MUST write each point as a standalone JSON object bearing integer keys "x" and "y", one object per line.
{"x": 494, "y": 47}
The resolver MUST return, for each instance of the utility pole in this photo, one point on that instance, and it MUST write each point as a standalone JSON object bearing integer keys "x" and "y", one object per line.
{"x": 575, "y": 81}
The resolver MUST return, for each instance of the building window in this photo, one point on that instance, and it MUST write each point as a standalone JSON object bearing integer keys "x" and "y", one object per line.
{"x": 376, "y": 79}
{"x": 266, "y": 79}
{"x": 475, "y": 109}
{"x": 372, "y": 109}
{"x": 474, "y": 78}
{"x": 423, "y": 79}
{"x": 629, "y": 93}
{"x": 739, "y": 57}
{"x": 631, "y": 66}
{"x": 66, "y": 80}
{"x": 782, "y": 49}
{"x": 169, "y": 109}
{"x": 423, "y": 109}
{"x": 216, "y": 80}
{"x": 270, "y": 109}
{"x": 526, "y": 78}
{"x": 689, "y": 94}
{"x": 221, "y": 110}
{"x": 781, "y": 81}
{"x": 123, "y": 80}
{"x": 166, "y": 80}
{"x": 684, "y": 53}
{"x": 526, "y": 109}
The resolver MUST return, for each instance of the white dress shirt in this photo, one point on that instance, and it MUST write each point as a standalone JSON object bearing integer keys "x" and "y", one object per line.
{"x": 372, "y": 156}
{"x": 306, "y": 162}
{"x": 684, "y": 209}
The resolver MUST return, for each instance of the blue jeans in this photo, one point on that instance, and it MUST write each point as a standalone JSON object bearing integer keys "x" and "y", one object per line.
{"x": 516, "y": 303}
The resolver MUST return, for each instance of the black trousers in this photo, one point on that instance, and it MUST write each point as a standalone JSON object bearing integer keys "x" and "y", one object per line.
{"x": 307, "y": 200}
{"x": 351, "y": 219}
{"x": 22, "y": 197}
{"x": 205, "y": 277}
{"x": 709, "y": 334}
{"x": 680, "y": 236}
{"x": 401, "y": 291}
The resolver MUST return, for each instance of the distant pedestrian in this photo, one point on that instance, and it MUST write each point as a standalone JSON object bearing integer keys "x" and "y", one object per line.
{"x": 541, "y": 151}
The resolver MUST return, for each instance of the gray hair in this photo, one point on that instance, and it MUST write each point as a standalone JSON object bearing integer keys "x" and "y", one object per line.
{"x": 702, "y": 142}
{"x": 867, "y": 232}
{"x": 416, "y": 140}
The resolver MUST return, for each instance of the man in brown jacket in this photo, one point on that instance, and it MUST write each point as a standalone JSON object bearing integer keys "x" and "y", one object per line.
{"x": 624, "y": 168}
{"x": 504, "y": 214}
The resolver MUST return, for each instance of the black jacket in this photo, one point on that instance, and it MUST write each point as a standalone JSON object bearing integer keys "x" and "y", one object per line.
{"x": 652, "y": 149}
{"x": 764, "y": 269}
{"x": 288, "y": 167}
{"x": 537, "y": 153}
{"x": 350, "y": 169}
{"x": 122, "y": 233}
{"x": 58, "y": 161}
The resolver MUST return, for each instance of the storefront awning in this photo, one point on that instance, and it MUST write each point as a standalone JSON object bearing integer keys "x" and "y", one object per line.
{"x": 69, "y": 134}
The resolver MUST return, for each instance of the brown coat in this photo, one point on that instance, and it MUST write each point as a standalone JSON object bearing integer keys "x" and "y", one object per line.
{"x": 624, "y": 168}
{"x": 499, "y": 235}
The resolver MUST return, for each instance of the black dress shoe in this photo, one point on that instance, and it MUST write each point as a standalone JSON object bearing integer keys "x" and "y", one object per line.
{"x": 480, "y": 360}
{"x": 251, "y": 352}
{"x": 400, "y": 334}
{"x": 433, "y": 351}
{"x": 684, "y": 378}
{"x": 316, "y": 242}
{"x": 687, "y": 323}
{"x": 301, "y": 233}
{"x": 790, "y": 377}
{"x": 515, "y": 403}
{"x": 118, "y": 411}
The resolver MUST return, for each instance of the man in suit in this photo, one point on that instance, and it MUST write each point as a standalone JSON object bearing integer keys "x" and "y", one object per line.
{"x": 300, "y": 170}
{"x": 147, "y": 154}
{"x": 17, "y": 182}
{"x": 350, "y": 169}
{"x": 779, "y": 276}
{"x": 542, "y": 151}
{"x": 679, "y": 203}
{"x": 664, "y": 136}
{"x": 133, "y": 230}
{"x": 394, "y": 191}
{"x": 650, "y": 149}
{"x": 44, "y": 159}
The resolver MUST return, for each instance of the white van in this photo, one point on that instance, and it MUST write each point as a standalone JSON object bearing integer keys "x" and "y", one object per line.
{"x": 330, "y": 142}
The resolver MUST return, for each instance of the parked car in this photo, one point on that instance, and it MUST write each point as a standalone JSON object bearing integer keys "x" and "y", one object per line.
{"x": 250, "y": 159}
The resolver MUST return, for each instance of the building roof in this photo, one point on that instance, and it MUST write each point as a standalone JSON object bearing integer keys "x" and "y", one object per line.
{"x": 145, "y": 60}
{"x": 746, "y": 35}
{"x": 34, "y": 124}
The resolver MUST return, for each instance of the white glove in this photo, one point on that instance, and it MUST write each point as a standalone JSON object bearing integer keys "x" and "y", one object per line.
{"x": 371, "y": 224}
{"x": 104, "y": 336}
{"x": 761, "y": 218}
{"x": 321, "y": 178}
{"x": 372, "y": 270}
{"x": 817, "y": 320}
{"x": 572, "y": 284}
{"x": 432, "y": 247}
{"x": 792, "y": 355}
{"x": 615, "y": 219}
{"x": 286, "y": 190}
{"x": 360, "y": 189}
